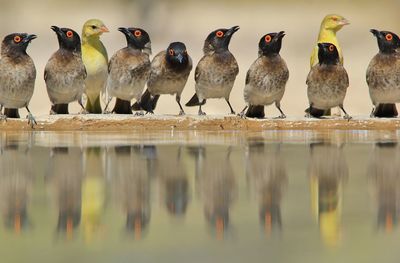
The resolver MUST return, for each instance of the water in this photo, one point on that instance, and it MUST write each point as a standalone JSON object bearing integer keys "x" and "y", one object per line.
{"x": 282, "y": 196}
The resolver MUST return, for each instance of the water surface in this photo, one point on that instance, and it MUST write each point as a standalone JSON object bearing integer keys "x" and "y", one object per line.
{"x": 277, "y": 196}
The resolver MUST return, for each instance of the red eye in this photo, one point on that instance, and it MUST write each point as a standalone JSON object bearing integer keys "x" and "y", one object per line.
{"x": 137, "y": 33}
{"x": 17, "y": 39}
{"x": 331, "y": 48}
{"x": 268, "y": 38}
{"x": 219, "y": 33}
{"x": 69, "y": 34}
{"x": 389, "y": 37}
{"x": 171, "y": 52}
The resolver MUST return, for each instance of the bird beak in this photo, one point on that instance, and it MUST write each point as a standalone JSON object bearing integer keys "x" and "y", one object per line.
{"x": 280, "y": 35}
{"x": 104, "y": 29}
{"x": 344, "y": 22}
{"x": 375, "y": 32}
{"x": 320, "y": 46}
{"x": 232, "y": 30}
{"x": 55, "y": 29}
{"x": 29, "y": 38}
{"x": 124, "y": 30}
{"x": 180, "y": 58}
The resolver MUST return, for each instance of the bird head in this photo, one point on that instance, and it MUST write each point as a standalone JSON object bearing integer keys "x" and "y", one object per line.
{"x": 137, "y": 38}
{"x": 67, "y": 38}
{"x": 219, "y": 39}
{"x": 94, "y": 28}
{"x": 270, "y": 44}
{"x": 177, "y": 54}
{"x": 334, "y": 22}
{"x": 388, "y": 42}
{"x": 16, "y": 43}
{"x": 328, "y": 54}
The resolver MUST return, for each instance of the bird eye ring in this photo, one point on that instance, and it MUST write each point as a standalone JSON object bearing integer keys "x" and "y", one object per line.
{"x": 389, "y": 37}
{"x": 69, "y": 34}
{"x": 17, "y": 39}
{"x": 171, "y": 52}
{"x": 331, "y": 48}
{"x": 219, "y": 33}
{"x": 268, "y": 38}
{"x": 137, "y": 33}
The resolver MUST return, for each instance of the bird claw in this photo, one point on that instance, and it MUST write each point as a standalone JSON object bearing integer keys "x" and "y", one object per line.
{"x": 242, "y": 115}
{"x": 139, "y": 113}
{"x": 106, "y": 112}
{"x": 282, "y": 116}
{"x": 3, "y": 117}
{"x": 347, "y": 117}
{"x": 202, "y": 113}
{"x": 149, "y": 112}
{"x": 84, "y": 111}
{"x": 182, "y": 113}
{"x": 31, "y": 120}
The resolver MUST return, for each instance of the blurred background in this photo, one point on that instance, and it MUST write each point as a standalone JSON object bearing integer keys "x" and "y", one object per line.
{"x": 191, "y": 21}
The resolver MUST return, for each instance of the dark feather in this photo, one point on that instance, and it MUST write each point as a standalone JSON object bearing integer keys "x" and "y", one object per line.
{"x": 385, "y": 111}
{"x": 194, "y": 101}
{"x": 60, "y": 108}
{"x": 255, "y": 111}
{"x": 122, "y": 107}
{"x": 11, "y": 113}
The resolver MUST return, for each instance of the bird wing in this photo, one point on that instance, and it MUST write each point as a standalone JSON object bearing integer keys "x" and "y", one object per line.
{"x": 314, "y": 57}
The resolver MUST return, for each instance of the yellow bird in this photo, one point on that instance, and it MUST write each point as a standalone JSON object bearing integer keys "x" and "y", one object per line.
{"x": 95, "y": 58}
{"x": 327, "y": 34}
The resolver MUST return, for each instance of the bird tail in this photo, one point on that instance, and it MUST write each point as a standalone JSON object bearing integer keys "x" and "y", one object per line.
{"x": 122, "y": 107}
{"x": 11, "y": 113}
{"x": 60, "y": 108}
{"x": 94, "y": 107}
{"x": 147, "y": 102}
{"x": 317, "y": 113}
{"x": 194, "y": 101}
{"x": 255, "y": 111}
{"x": 385, "y": 111}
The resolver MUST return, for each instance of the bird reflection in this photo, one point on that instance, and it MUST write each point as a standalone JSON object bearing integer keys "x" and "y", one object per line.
{"x": 328, "y": 170}
{"x": 129, "y": 169}
{"x": 15, "y": 186}
{"x": 173, "y": 178}
{"x": 93, "y": 191}
{"x": 266, "y": 171}
{"x": 65, "y": 172}
{"x": 217, "y": 186}
{"x": 384, "y": 169}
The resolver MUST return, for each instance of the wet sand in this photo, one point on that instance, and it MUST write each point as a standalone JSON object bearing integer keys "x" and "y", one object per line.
{"x": 115, "y": 122}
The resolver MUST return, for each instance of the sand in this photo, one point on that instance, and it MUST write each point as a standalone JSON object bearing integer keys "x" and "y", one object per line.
{"x": 114, "y": 122}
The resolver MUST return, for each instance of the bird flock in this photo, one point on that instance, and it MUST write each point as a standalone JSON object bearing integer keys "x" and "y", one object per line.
{"x": 81, "y": 68}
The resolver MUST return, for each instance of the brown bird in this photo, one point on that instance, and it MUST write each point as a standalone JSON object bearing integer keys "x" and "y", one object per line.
{"x": 327, "y": 81}
{"x": 170, "y": 70}
{"x": 17, "y": 75}
{"x": 129, "y": 70}
{"x": 266, "y": 78}
{"x": 65, "y": 73}
{"x": 383, "y": 75}
{"x": 217, "y": 69}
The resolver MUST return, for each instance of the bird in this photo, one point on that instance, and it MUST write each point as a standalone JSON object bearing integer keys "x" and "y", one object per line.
{"x": 266, "y": 79}
{"x": 330, "y": 25}
{"x": 169, "y": 73}
{"x": 129, "y": 70}
{"x": 65, "y": 73}
{"x": 17, "y": 74}
{"x": 216, "y": 71}
{"x": 383, "y": 73}
{"x": 95, "y": 59}
{"x": 327, "y": 81}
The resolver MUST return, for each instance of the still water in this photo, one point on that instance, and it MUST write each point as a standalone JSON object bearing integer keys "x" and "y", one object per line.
{"x": 279, "y": 196}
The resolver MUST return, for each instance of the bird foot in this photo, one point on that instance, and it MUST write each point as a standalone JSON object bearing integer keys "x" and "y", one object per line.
{"x": 52, "y": 112}
{"x": 202, "y": 113}
{"x": 83, "y": 111}
{"x": 233, "y": 113}
{"x": 347, "y": 117}
{"x": 282, "y": 116}
{"x": 308, "y": 115}
{"x": 106, "y": 112}
{"x": 182, "y": 113}
{"x": 31, "y": 120}
{"x": 242, "y": 115}
{"x": 3, "y": 117}
{"x": 139, "y": 113}
{"x": 149, "y": 112}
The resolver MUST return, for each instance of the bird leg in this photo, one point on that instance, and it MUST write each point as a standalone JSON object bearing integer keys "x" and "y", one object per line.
{"x": 278, "y": 106}
{"x": 178, "y": 100}
{"x": 139, "y": 113}
{"x": 229, "y": 104}
{"x": 2, "y": 116}
{"x": 200, "y": 111}
{"x": 105, "y": 111}
{"x": 31, "y": 119}
{"x": 242, "y": 114}
{"x": 346, "y": 116}
{"x": 83, "y": 110}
